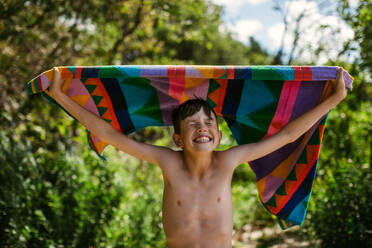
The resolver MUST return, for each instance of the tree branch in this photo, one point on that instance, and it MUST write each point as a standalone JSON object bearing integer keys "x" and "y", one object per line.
{"x": 126, "y": 32}
{"x": 296, "y": 36}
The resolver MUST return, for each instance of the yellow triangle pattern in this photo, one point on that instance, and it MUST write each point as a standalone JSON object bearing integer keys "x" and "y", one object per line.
{"x": 66, "y": 84}
{"x": 81, "y": 99}
{"x": 261, "y": 187}
{"x": 193, "y": 82}
{"x": 283, "y": 169}
{"x": 206, "y": 71}
{"x": 184, "y": 97}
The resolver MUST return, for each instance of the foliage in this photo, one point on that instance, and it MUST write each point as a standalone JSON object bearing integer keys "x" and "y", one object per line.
{"x": 340, "y": 211}
{"x": 48, "y": 201}
{"x": 75, "y": 201}
{"x": 360, "y": 19}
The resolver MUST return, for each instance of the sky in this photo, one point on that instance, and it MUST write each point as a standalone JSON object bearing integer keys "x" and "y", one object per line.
{"x": 257, "y": 18}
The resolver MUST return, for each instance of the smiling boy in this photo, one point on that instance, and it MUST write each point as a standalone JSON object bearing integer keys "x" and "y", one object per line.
{"x": 197, "y": 200}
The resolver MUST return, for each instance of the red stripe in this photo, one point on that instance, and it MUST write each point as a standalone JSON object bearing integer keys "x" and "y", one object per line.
{"x": 311, "y": 160}
{"x": 171, "y": 71}
{"x": 176, "y": 71}
{"x": 176, "y": 87}
{"x": 78, "y": 72}
{"x": 300, "y": 179}
{"x": 307, "y": 74}
{"x": 285, "y": 106}
{"x": 39, "y": 84}
{"x": 222, "y": 93}
{"x": 181, "y": 72}
{"x": 230, "y": 72}
{"x": 297, "y": 73}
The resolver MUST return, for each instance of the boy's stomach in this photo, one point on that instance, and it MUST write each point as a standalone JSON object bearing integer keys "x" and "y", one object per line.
{"x": 198, "y": 219}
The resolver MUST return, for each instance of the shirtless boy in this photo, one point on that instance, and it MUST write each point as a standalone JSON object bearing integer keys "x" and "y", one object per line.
{"x": 197, "y": 201}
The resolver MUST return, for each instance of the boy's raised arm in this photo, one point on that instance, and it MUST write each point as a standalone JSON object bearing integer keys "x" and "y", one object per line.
{"x": 293, "y": 130}
{"x": 103, "y": 130}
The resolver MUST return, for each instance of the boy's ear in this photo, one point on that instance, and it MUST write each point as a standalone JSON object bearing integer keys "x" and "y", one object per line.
{"x": 177, "y": 140}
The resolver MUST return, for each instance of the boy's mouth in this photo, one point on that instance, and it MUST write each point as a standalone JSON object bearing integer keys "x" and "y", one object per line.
{"x": 202, "y": 139}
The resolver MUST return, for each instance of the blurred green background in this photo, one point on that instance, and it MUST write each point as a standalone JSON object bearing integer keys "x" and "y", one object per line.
{"x": 55, "y": 192}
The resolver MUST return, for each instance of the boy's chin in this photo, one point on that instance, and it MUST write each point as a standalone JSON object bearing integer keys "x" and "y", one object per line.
{"x": 203, "y": 148}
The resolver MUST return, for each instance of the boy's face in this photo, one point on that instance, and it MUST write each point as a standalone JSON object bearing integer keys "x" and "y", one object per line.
{"x": 198, "y": 133}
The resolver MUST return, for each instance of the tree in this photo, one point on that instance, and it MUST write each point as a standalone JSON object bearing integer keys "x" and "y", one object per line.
{"x": 360, "y": 19}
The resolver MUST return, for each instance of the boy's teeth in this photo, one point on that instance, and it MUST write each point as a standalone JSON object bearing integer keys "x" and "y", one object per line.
{"x": 203, "y": 139}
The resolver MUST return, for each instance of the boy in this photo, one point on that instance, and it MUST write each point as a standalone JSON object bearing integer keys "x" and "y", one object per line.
{"x": 197, "y": 201}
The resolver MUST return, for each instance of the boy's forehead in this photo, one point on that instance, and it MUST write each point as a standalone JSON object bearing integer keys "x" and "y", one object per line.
{"x": 200, "y": 114}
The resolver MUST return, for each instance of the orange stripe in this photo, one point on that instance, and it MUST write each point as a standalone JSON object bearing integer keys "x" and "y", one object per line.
{"x": 284, "y": 224}
{"x": 222, "y": 91}
{"x": 33, "y": 87}
{"x": 114, "y": 122}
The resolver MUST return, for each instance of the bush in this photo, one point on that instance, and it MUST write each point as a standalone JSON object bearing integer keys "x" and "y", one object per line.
{"x": 67, "y": 200}
{"x": 47, "y": 201}
{"x": 340, "y": 213}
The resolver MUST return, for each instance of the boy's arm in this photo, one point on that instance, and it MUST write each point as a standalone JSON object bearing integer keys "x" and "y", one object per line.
{"x": 290, "y": 132}
{"x": 104, "y": 131}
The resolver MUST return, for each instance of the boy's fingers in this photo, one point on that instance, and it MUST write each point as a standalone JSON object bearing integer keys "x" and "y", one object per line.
{"x": 339, "y": 73}
{"x": 57, "y": 75}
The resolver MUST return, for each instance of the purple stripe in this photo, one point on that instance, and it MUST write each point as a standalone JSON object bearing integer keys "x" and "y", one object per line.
{"x": 265, "y": 165}
{"x": 348, "y": 80}
{"x": 272, "y": 184}
{"x": 167, "y": 103}
{"x": 45, "y": 82}
{"x": 200, "y": 90}
{"x": 307, "y": 97}
{"x": 76, "y": 88}
{"x": 323, "y": 73}
{"x": 154, "y": 71}
{"x": 329, "y": 73}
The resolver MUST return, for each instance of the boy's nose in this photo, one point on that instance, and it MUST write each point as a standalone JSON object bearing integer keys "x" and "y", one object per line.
{"x": 202, "y": 128}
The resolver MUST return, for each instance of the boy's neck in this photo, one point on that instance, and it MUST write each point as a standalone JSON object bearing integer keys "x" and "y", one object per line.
{"x": 197, "y": 163}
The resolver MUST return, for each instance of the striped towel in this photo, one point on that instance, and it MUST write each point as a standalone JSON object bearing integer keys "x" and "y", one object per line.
{"x": 255, "y": 101}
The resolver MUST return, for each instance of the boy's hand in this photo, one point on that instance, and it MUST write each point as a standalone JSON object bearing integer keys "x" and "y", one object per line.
{"x": 56, "y": 87}
{"x": 339, "y": 88}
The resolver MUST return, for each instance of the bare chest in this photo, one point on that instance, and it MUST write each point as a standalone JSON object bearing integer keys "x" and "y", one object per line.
{"x": 196, "y": 209}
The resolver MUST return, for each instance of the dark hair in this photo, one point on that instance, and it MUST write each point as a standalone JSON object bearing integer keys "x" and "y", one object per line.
{"x": 189, "y": 108}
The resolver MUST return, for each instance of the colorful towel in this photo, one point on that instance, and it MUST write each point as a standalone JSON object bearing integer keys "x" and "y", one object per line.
{"x": 255, "y": 101}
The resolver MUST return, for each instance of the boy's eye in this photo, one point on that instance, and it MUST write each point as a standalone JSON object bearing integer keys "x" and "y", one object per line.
{"x": 209, "y": 122}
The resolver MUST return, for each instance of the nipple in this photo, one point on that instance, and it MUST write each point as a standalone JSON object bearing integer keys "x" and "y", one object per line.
{"x": 218, "y": 199}
{"x": 179, "y": 203}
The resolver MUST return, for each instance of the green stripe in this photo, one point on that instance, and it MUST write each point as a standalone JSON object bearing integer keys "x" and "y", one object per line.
{"x": 266, "y": 72}
{"x": 29, "y": 89}
{"x": 36, "y": 85}
{"x": 109, "y": 72}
